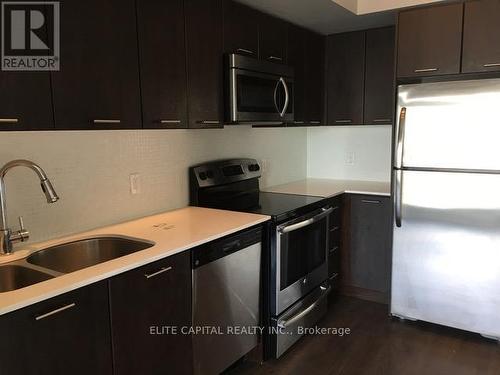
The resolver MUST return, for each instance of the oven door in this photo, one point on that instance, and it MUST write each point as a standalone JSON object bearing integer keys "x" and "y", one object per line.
{"x": 260, "y": 98}
{"x": 301, "y": 258}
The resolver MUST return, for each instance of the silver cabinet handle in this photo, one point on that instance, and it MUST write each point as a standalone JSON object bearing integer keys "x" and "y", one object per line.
{"x": 334, "y": 249}
{"x": 245, "y": 51}
{"x": 346, "y": 121}
{"x": 9, "y": 120}
{"x": 371, "y": 201}
{"x": 334, "y": 229}
{"x": 492, "y": 65}
{"x": 275, "y": 58}
{"x": 400, "y": 138}
{"x": 315, "y": 122}
{"x": 382, "y": 120}
{"x": 106, "y": 121}
{"x": 426, "y": 70}
{"x": 398, "y": 198}
{"x": 305, "y": 223}
{"x": 56, "y": 311}
{"x": 285, "y": 323}
{"x": 209, "y": 122}
{"x": 298, "y": 122}
{"x": 287, "y": 97}
{"x": 170, "y": 121}
{"x": 159, "y": 272}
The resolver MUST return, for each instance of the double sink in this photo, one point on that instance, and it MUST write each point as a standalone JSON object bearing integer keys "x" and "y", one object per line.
{"x": 54, "y": 261}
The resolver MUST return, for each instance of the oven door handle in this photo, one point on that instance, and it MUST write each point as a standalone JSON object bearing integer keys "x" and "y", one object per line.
{"x": 305, "y": 223}
{"x": 285, "y": 323}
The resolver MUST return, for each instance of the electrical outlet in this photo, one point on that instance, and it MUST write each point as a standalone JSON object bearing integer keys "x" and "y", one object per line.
{"x": 350, "y": 158}
{"x": 135, "y": 183}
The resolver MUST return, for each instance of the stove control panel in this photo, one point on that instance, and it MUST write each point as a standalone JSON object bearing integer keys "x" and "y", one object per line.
{"x": 224, "y": 171}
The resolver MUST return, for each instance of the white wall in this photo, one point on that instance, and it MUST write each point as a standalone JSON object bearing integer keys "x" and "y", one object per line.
{"x": 350, "y": 152}
{"x": 90, "y": 171}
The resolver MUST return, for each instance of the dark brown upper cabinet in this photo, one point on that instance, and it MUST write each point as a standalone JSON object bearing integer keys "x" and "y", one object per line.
{"x": 98, "y": 82}
{"x": 481, "y": 45}
{"x": 162, "y": 57}
{"x": 156, "y": 294}
{"x": 26, "y": 101}
{"x": 379, "y": 76}
{"x": 296, "y": 57}
{"x": 204, "y": 63}
{"x": 314, "y": 77}
{"x": 305, "y": 53}
{"x": 345, "y": 78}
{"x": 430, "y": 40}
{"x": 241, "y": 29}
{"x": 272, "y": 39}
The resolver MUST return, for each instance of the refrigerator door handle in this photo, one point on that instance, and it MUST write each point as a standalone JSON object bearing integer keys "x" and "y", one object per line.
{"x": 400, "y": 138}
{"x": 398, "y": 197}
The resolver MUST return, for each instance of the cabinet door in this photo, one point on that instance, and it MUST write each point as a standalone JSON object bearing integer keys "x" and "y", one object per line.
{"x": 370, "y": 244}
{"x": 430, "y": 40}
{"x": 204, "y": 63}
{"x": 296, "y": 57}
{"x": 272, "y": 39}
{"x": 241, "y": 29}
{"x": 481, "y": 36}
{"x": 156, "y": 295}
{"x": 346, "y": 75}
{"x": 314, "y": 77}
{"x": 26, "y": 101}
{"x": 98, "y": 84}
{"x": 379, "y": 76}
{"x": 68, "y": 334}
{"x": 162, "y": 63}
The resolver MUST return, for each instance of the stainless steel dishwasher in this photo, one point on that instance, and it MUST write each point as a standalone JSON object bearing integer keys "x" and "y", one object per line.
{"x": 226, "y": 299}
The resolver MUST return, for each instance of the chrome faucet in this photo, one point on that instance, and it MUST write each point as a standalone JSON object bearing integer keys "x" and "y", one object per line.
{"x": 7, "y": 236}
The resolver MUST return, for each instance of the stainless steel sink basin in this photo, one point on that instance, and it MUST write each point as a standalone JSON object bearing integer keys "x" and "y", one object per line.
{"x": 14, "y": 277}
{"x": 76, "y": 255}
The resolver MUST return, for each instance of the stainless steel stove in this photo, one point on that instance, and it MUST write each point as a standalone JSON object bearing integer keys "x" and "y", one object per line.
{"x": 297, "y": 282}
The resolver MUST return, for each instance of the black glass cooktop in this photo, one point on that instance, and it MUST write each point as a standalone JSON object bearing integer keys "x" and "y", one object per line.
{"x": 277, "y": 204}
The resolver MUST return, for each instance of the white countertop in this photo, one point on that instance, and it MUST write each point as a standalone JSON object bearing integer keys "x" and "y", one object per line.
{"x": 172, "y": 232}
{"x": 329, "y": 188}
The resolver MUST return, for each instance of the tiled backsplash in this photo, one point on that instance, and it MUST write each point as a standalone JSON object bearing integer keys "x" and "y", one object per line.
{"x": 91, "y": 170}
{"x": 350, "y": 152}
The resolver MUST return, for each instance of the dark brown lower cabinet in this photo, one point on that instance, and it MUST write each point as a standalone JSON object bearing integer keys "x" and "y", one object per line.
{"x": 143, "y": 302}
{"x": 67, "y": 334}
{"x": 366, "y": 254}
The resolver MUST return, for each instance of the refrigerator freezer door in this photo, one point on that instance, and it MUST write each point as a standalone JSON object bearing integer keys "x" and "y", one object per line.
{"x": 450, "y": 125}
{"x": 446, "y": 254}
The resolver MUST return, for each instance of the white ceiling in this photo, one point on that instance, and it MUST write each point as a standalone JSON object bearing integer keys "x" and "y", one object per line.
{"x": 328, "y": 17}
{"x": 322, "y": 16}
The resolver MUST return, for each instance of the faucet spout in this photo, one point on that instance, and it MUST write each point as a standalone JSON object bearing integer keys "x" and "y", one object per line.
{"x": 6, "y": 235}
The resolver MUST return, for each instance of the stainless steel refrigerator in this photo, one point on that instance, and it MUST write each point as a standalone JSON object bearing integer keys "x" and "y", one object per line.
{"x": 446, "y": 245}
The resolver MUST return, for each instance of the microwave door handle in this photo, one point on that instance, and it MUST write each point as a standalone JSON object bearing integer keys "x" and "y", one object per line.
{"x": 276, "y": 96}
{"x": 287, "y": 97}
{"x": 400, "y": 138}
{"x": 305, "y": 223}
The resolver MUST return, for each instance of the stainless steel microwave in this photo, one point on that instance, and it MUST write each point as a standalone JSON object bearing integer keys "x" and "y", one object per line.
{"x": 258, "y": 92}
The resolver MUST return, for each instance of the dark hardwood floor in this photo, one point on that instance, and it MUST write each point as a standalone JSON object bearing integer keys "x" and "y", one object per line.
{"x": 381, "y": 345}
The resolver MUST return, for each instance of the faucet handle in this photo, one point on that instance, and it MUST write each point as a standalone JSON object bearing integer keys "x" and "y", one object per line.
{"x": 21, "y": 223}
{"x": 22, "y": 234}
